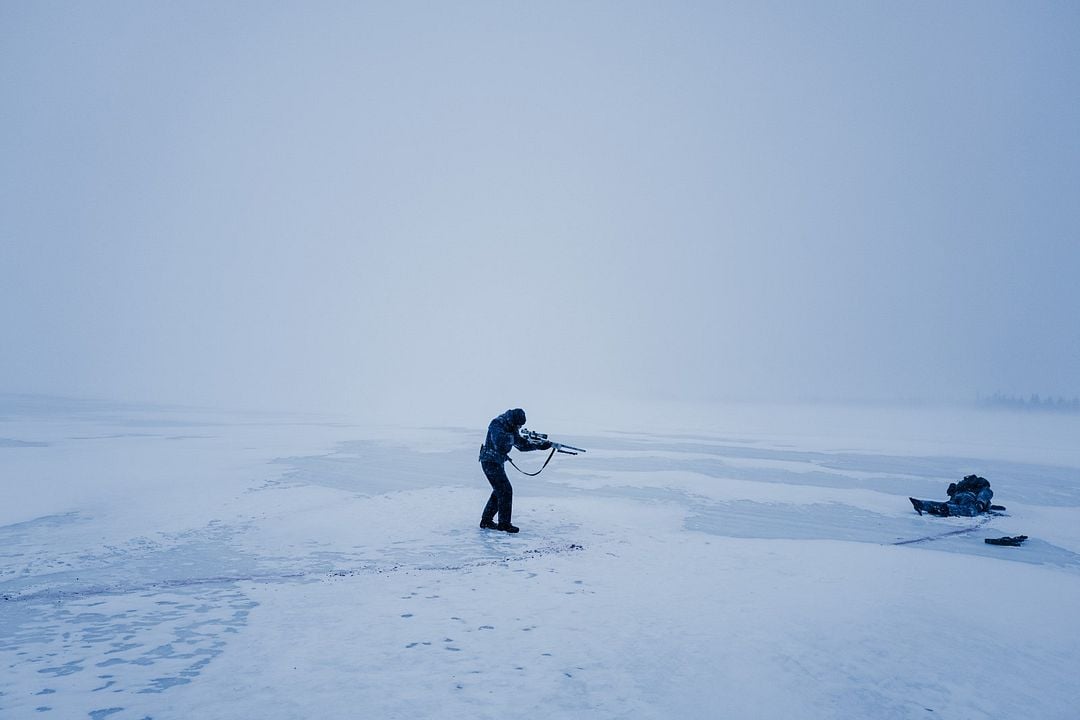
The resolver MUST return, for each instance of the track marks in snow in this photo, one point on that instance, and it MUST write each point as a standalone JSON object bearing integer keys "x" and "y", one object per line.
{"x": 486, "y": 645}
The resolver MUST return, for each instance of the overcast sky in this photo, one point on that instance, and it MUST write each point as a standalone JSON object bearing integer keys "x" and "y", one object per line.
{"x": 359, "y": 206}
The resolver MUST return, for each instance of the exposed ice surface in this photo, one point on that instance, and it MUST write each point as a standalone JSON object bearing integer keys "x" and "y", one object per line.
{"x": 727, "y": 562}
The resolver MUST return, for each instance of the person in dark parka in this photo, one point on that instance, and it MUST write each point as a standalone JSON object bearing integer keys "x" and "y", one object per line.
{"x": 502, "y": 435}
{"x": 967, "y": 498}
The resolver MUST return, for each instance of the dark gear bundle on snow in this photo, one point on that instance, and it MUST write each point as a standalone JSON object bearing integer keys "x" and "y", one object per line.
{"x": 968, "y": 498}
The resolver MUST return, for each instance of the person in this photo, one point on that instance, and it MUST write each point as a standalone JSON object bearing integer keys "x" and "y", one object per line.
{"x": 968, "y": 498}
{"x": 502, "y": 435}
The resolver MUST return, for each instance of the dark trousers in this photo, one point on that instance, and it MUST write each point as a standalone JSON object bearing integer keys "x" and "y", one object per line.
{"x": 502, "y": 493}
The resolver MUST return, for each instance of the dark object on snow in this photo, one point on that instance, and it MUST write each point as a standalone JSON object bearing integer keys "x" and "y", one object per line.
{"x": 970, "y": 483}
{"x": 1010, "y": 541}
{"x": 967, "y": 498}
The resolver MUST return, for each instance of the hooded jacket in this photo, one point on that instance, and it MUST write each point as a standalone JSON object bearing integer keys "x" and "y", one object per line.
{"x": 502, "y": 435}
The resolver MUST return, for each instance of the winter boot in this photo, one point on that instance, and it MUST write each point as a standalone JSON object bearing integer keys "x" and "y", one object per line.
{"x": 488, "y": 524}
{"x": 507, "y": 528}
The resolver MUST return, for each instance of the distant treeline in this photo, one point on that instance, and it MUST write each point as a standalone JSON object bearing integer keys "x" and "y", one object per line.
{"x": 1032, "y": 402}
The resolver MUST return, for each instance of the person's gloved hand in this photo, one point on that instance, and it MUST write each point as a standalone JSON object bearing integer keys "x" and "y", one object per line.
{"x": 546, "y": 445}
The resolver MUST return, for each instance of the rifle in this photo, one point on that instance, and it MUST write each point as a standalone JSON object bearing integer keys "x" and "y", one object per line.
{"x": 538, "y": 439}
{"x": 535, "y": 438}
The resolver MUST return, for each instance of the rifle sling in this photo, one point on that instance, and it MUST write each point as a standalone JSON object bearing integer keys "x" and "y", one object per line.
{"x": 538, "y": 471}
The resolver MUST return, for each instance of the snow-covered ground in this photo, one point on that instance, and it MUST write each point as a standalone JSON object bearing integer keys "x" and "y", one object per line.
{"x": 728, "y": 562}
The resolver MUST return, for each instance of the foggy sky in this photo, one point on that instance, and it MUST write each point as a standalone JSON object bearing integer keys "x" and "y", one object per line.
{"x": 364, "y": 206}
